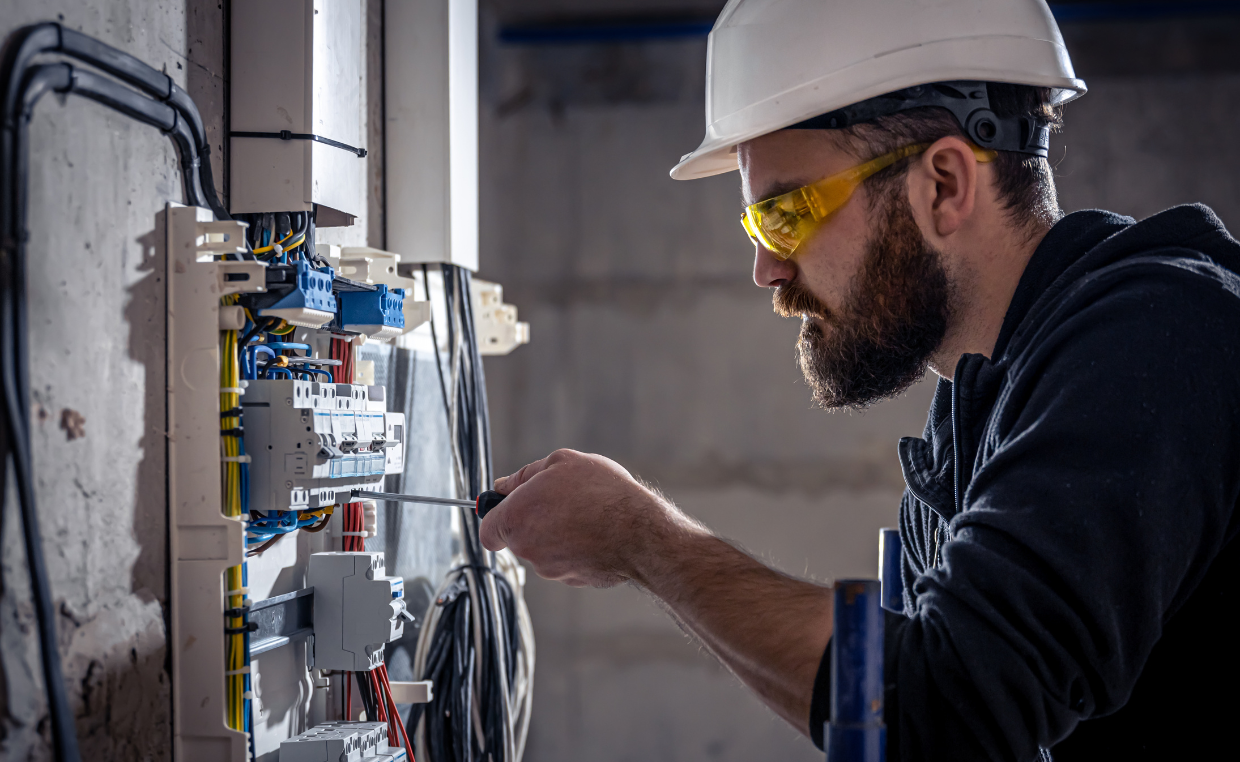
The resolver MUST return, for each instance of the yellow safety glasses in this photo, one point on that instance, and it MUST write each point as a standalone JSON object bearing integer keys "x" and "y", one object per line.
{"x": 781, "y": 223}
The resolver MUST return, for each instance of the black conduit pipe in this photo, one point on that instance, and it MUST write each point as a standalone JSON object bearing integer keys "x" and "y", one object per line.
{"x": 51, "y": 37}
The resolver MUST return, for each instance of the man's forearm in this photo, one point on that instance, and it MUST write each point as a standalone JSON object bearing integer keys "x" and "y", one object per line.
{"x": 768, "y": 628}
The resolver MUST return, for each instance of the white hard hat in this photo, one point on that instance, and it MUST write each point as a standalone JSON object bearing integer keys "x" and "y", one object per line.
{"x": 773, "y": 63}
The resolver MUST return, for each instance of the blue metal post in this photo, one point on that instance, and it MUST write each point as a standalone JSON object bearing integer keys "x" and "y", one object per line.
{"x": 855, "y": 732}
{"x": 889, "y": 570}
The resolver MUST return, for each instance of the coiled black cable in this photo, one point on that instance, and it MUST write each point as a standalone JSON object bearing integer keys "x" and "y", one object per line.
{"x": 474, "y": 637}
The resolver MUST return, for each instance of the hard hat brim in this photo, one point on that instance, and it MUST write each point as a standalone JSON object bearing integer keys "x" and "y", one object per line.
{"x": 918, "y": 65}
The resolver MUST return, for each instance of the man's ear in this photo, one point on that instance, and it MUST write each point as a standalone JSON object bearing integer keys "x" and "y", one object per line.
{"x": 943, "y": 186}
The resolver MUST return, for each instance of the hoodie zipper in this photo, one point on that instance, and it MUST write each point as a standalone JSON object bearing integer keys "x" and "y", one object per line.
{"x": 956, "y": 464}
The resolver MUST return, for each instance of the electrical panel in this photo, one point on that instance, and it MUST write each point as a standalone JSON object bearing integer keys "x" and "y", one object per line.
{"x": 291, "y": 367}
{"x": 271, "y": 435}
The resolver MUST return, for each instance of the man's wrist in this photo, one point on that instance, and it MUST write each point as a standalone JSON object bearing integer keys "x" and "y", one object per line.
{"x": 666, "y": 544}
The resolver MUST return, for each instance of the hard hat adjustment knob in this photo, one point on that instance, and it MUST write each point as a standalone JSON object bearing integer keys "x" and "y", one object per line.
{"x": 983, "y": 127}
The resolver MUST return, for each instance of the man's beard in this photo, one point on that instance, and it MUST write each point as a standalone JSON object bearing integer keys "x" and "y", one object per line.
{"x": 893, "y": 319}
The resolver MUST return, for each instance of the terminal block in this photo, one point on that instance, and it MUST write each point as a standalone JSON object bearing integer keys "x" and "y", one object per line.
{"x": 342, "y": 742}
{"x": 499, "y": 331}
{"x": 379, "y": 314}
{"x": 312, "y": 442}
{"x": 357, "y": 610}
{"x": 299, "y": 294}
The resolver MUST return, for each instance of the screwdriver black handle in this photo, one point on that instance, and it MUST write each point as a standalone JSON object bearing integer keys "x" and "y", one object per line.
{"x": 486, "y": 501}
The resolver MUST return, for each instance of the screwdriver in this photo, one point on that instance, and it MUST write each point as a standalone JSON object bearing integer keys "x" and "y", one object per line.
{"x": 482, "y": 506}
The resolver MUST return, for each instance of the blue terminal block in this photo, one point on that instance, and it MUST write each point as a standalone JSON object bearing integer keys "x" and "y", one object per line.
{"x": 856, "y": 732}
{"x": 310, "y": 304}
{"x": 379, "y": 314}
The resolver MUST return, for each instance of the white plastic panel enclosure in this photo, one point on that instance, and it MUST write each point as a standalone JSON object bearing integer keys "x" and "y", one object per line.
{"x": 431, "y": 103}
{"x": 296, "y": 66}
{"x": 202, "y": 541}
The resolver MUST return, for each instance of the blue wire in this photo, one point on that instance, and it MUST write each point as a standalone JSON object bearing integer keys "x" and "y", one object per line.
{"x": 251, "y": 358}
{"x": 289, "y": 345}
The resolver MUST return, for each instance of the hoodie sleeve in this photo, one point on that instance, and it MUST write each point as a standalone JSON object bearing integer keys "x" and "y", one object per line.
{"x": 1104, "y": 488}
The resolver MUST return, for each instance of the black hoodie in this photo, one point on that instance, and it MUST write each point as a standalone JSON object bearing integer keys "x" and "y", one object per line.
{"x": 1069, "y": 565}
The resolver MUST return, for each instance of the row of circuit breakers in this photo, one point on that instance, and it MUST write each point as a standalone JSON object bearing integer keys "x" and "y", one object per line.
{"x": 311, "y": 442}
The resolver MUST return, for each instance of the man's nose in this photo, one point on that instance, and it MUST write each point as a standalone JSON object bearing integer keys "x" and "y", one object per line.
{"x": 770, "y": 271}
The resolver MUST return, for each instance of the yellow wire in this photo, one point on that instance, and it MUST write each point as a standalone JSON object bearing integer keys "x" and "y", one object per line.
{"x": 234, "y": 658}
{"x": 270, "y": 246}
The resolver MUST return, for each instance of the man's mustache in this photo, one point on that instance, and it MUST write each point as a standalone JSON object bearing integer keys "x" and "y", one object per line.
{"x": 794, "y": 300}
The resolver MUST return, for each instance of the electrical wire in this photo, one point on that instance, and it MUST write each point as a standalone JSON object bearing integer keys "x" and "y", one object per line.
{"x": 477, "y": 641}
{"x": 236, "y": 505}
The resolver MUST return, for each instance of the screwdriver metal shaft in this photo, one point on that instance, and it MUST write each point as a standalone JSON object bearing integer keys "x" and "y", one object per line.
{"x": 482, "y": 506}
{"x": 411, "y": 498}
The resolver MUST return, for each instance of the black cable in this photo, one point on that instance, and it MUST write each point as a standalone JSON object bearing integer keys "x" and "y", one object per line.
{"x": 13, "y": 350}
{"x": 443, "y": 387}
{"x": 50, "y": 37}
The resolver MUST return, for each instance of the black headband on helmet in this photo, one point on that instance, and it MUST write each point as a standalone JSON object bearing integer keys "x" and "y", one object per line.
{"x": 968, "y": 101}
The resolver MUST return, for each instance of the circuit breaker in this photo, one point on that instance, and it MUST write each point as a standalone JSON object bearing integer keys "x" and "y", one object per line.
{"x": 342, "y": 742}
{"x": 357, "y": 610}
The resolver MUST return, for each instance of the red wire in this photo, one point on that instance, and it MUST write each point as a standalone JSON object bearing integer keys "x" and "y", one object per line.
{"x": 400, "y": 723}
{"x": 380, "y": 704}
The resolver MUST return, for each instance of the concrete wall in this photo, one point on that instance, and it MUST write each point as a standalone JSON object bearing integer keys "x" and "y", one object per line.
{"x": 96, "y": 319}
{"x": 652, "y": 346}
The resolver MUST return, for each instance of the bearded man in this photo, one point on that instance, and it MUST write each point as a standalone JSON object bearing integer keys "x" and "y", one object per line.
{"x": 1070, "y": 514}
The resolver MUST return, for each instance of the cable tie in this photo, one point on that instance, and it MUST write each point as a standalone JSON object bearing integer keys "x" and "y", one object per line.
{"x": 242, "y": 671}
{"x": 290, "y": 135}
{"x": 232, "y": 390}
{"x": 237, "y": 459}
{"x": 239, "y": 591}
{"x": 355, "y": 534}
{"x": 235, "y": 432}
{"x": 233, "y": 413}
{"x": 247, "y": 627}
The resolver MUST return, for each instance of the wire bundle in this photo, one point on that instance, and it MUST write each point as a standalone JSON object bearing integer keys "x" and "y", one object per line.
{"x": 281, "y": 237}
{"x": 477, "y": 644}
{"x": 342, "y": 350}
{"x": 236, "y": 503}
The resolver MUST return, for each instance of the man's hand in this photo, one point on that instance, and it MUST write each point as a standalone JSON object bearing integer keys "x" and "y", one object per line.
{"x": 584, "y": 520}
{"x": 581, "y": 519}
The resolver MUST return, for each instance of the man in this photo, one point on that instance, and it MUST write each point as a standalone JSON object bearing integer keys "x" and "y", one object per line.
{"x": 1069, "y": 519}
